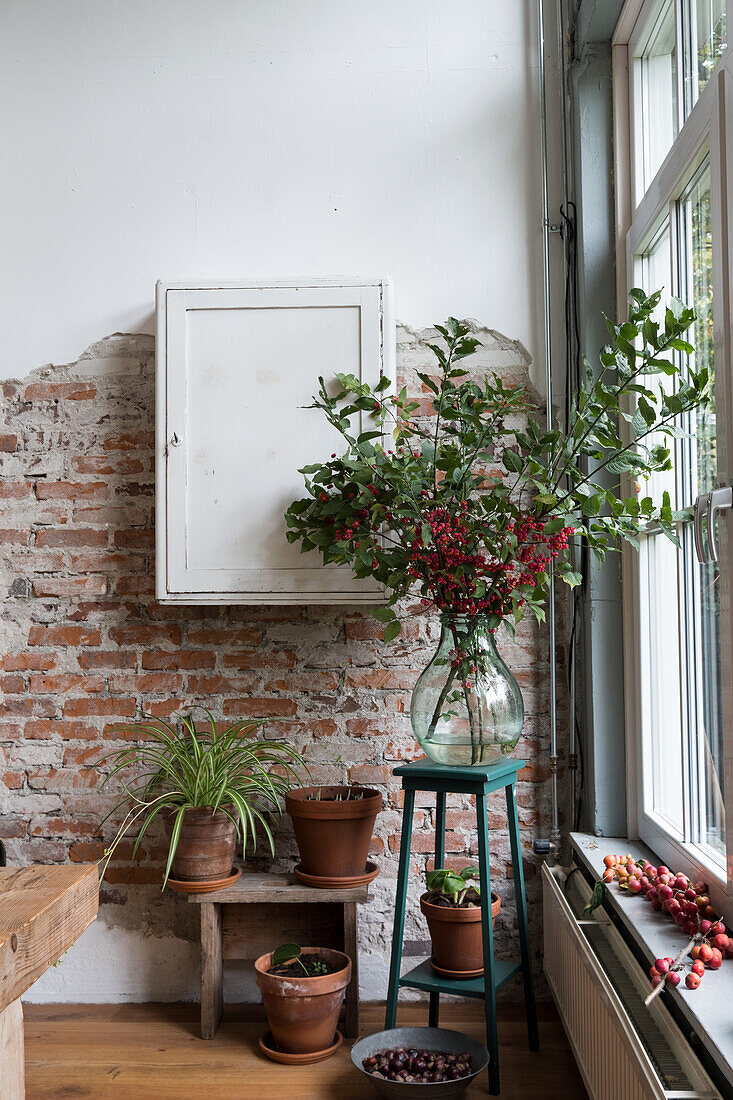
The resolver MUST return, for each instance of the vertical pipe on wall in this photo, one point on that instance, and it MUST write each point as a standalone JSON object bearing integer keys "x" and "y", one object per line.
{"x": 555, "y": 823}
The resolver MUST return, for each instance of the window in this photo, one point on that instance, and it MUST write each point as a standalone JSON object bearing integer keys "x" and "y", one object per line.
{"x": 679, "y": 661}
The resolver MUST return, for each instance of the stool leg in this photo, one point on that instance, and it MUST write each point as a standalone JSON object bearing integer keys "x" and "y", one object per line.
{"x": 492, "y": 1038}
{"x": 212, "y": 971}
{"x": 434, "y": 1011}
{"x": 529, "y": 1001}
{"x": 399, "y": 911}
{"x": 351, "y": 948}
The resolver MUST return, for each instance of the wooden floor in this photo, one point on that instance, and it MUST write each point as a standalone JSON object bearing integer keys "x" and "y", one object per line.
{"x": 131, "y": 1052}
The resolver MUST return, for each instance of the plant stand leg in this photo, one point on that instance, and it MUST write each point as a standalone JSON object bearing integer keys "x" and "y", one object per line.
{"x": 212, "y": 970}
{"x": 399, "y": 911}
{"x": 434, "y": 1011}
{"x": 521, "y": 901}
{"x": 351, "y": 948}
{"x": 492, "y": 1038}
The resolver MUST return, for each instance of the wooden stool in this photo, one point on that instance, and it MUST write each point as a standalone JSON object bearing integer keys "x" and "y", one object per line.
{"x": 247, "y": 919}
{"x": 479, "y": 780}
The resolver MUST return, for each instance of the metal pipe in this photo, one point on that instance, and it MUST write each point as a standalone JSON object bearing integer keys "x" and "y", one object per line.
{"x": 555, "y": 823}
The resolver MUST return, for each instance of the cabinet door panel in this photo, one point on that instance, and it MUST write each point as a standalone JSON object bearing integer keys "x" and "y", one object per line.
{"x": 237, "y": 368}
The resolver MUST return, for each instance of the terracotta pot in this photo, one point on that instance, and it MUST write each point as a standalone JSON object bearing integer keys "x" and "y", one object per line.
{"x": 456, "y": 934}
{"x": 206, "y": 845}
{"x": 333, "y": 837}
{"x": 303, "y": 1012}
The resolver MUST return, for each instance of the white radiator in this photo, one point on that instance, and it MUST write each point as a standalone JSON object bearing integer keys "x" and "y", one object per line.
{"x": 624, "y": 1050}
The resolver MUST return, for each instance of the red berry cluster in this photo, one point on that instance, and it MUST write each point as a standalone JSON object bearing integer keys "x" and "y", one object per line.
{"x": 687, "y": 903}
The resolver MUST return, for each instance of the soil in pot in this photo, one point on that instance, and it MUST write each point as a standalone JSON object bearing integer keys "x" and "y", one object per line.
{"x": 206, "y": 846}
{"x": 315, "y": 965}
{"x": 333, "y": 827}
{"x": 456, "y": 931}
{"x": 303, "y": 1011}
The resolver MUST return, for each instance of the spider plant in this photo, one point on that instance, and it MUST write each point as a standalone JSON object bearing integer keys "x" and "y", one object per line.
{"x": 184, "y": 768}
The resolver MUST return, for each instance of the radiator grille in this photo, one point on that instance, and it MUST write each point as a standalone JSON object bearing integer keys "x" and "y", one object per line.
{"x": 625, "y": 1051}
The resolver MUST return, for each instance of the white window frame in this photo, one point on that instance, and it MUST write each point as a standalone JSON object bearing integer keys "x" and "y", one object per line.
{"x": 637, "y": 220}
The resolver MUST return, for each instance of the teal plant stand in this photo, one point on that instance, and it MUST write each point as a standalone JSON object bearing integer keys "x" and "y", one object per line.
{"x": 479, "y": 780}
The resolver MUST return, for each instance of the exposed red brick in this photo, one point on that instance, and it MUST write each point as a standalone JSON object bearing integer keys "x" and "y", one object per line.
{"x": 108, "y": 658}
{"x": 71, "y": 490}
{"x": 69, "y": 586}
{"x": 134, "y": 875}
{"x": 136, "y": 585}
{"x": 380, "y": 678}
{"x": 14, "y": 536}
{"x": 43, "y": 729}
{"x": 64, "y": 635}
{"x": 216, "y": 685}
{"x": 369, "y": 773}
{"x": 136, "y": 538}
{"x": 132, "y": 442}
{"x": 12, "y": 685}
{"x": 259, "y": 708}
{"x": 315, "y": 680}
{"x": 185, "y": 658}
{"x": 90, "y": 851}
{"x": 15, "y": 490}
{"x": 60, "y": 391}
{"x": 279, "y": 658}
{"x": 24, "y": 662}
{"x": 101, "y": 464}
{"x": 151, "y": 681}
{"x": 63, "y": 682}
{"x": 71, "y": 536}
{"x": 8, "y": 443}
{"x": 147, "y": 634}
{"x": 219, "y": 636}
{"x": 80, "y": 708}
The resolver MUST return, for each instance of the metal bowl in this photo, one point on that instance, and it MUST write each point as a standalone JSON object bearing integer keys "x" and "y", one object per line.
{"x": 421, "y": 1038}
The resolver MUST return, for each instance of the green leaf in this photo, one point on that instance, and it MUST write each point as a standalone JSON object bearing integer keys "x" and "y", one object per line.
{"x": 392, "y": 630}
{"x": 573, "y": 579}
{"x": 599, "y": 892}
{"x": 284, "y": 953}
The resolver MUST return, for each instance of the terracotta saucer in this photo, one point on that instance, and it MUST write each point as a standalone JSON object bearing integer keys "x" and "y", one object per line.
{"x": 456, "y": 975}
{"x": 325, "y": 882}
{"x": 183, "y": 887}
{"x": 268, "y": 1048}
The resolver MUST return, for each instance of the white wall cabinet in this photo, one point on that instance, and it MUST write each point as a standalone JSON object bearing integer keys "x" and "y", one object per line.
{"x": 236, "y": 363}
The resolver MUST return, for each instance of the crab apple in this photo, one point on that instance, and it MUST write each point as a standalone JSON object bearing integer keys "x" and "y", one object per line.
{"x": 690, "y": 894}
{"x": 634, "y": 885}
{"x": 702, "y": 901}
{"x": 661, "y": 966}
{"x": 682, "y": 882}
{"x": 705, "y": 953}
{"x": 698, "y": 967}
{"x": 696, "y": 952}
{"x": 665, "y": 891}
{"x": 674, "y": 977}
{"x": 700, "y": 887}
{"x": 655, "y": 903}
{"x": 674, "y": 907}
{"x": 718, "y": 928}
{"x": 729, "y": 950}
{"x": 705, "y": 927}
{"x": 654, "y": 973}
{"x": 663, "y": 870}
{"x": 721, "y": 941}
{"x": 690, "y": 927}
{"x": 645, "y": 883}
{"x": 715, "y": 961}
{"x": 692, "y": 981}
{"x": 652, "y": 871}
{"x": 663, "y": 880}
{"x": 709, "y": 913}
{"x": 656, "y": 979}
{"x": 608, "y": 875}
{"x": 610, "y": 861}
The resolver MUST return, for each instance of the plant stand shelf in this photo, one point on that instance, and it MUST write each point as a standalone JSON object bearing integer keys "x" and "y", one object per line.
{"x": 478, "y": 780}
{"x": 257, "y": 913}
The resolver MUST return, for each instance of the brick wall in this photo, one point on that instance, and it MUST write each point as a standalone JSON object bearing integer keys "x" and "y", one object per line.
{"x": 85, "y": 646}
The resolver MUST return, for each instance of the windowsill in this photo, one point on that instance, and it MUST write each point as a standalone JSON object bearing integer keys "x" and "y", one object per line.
{"x": 705, "y": 1010}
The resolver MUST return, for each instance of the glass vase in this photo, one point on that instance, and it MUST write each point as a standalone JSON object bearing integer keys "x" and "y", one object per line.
{"x": 467, "y": 707}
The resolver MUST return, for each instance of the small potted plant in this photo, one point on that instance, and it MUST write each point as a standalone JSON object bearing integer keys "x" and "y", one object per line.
{"x": 333, "y": 827}
{"x": 303, "y": 989}
{"x": 210, "y": 786}
{"x": 452, "y": 907}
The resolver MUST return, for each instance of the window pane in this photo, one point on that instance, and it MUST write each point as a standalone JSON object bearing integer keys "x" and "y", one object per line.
{"x": 663, "y": 691}
{"x": 656, "y": 272}
{"x": 705, "y": 718}
{"x": 710, "y": 34}
{"x": 659, "y": 100}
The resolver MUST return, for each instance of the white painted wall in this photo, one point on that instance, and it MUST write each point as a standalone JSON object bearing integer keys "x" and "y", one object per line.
{"x": 263, "y": 138}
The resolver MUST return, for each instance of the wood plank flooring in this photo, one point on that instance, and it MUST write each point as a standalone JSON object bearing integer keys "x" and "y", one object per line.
{"x": 132, "y": 1052}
